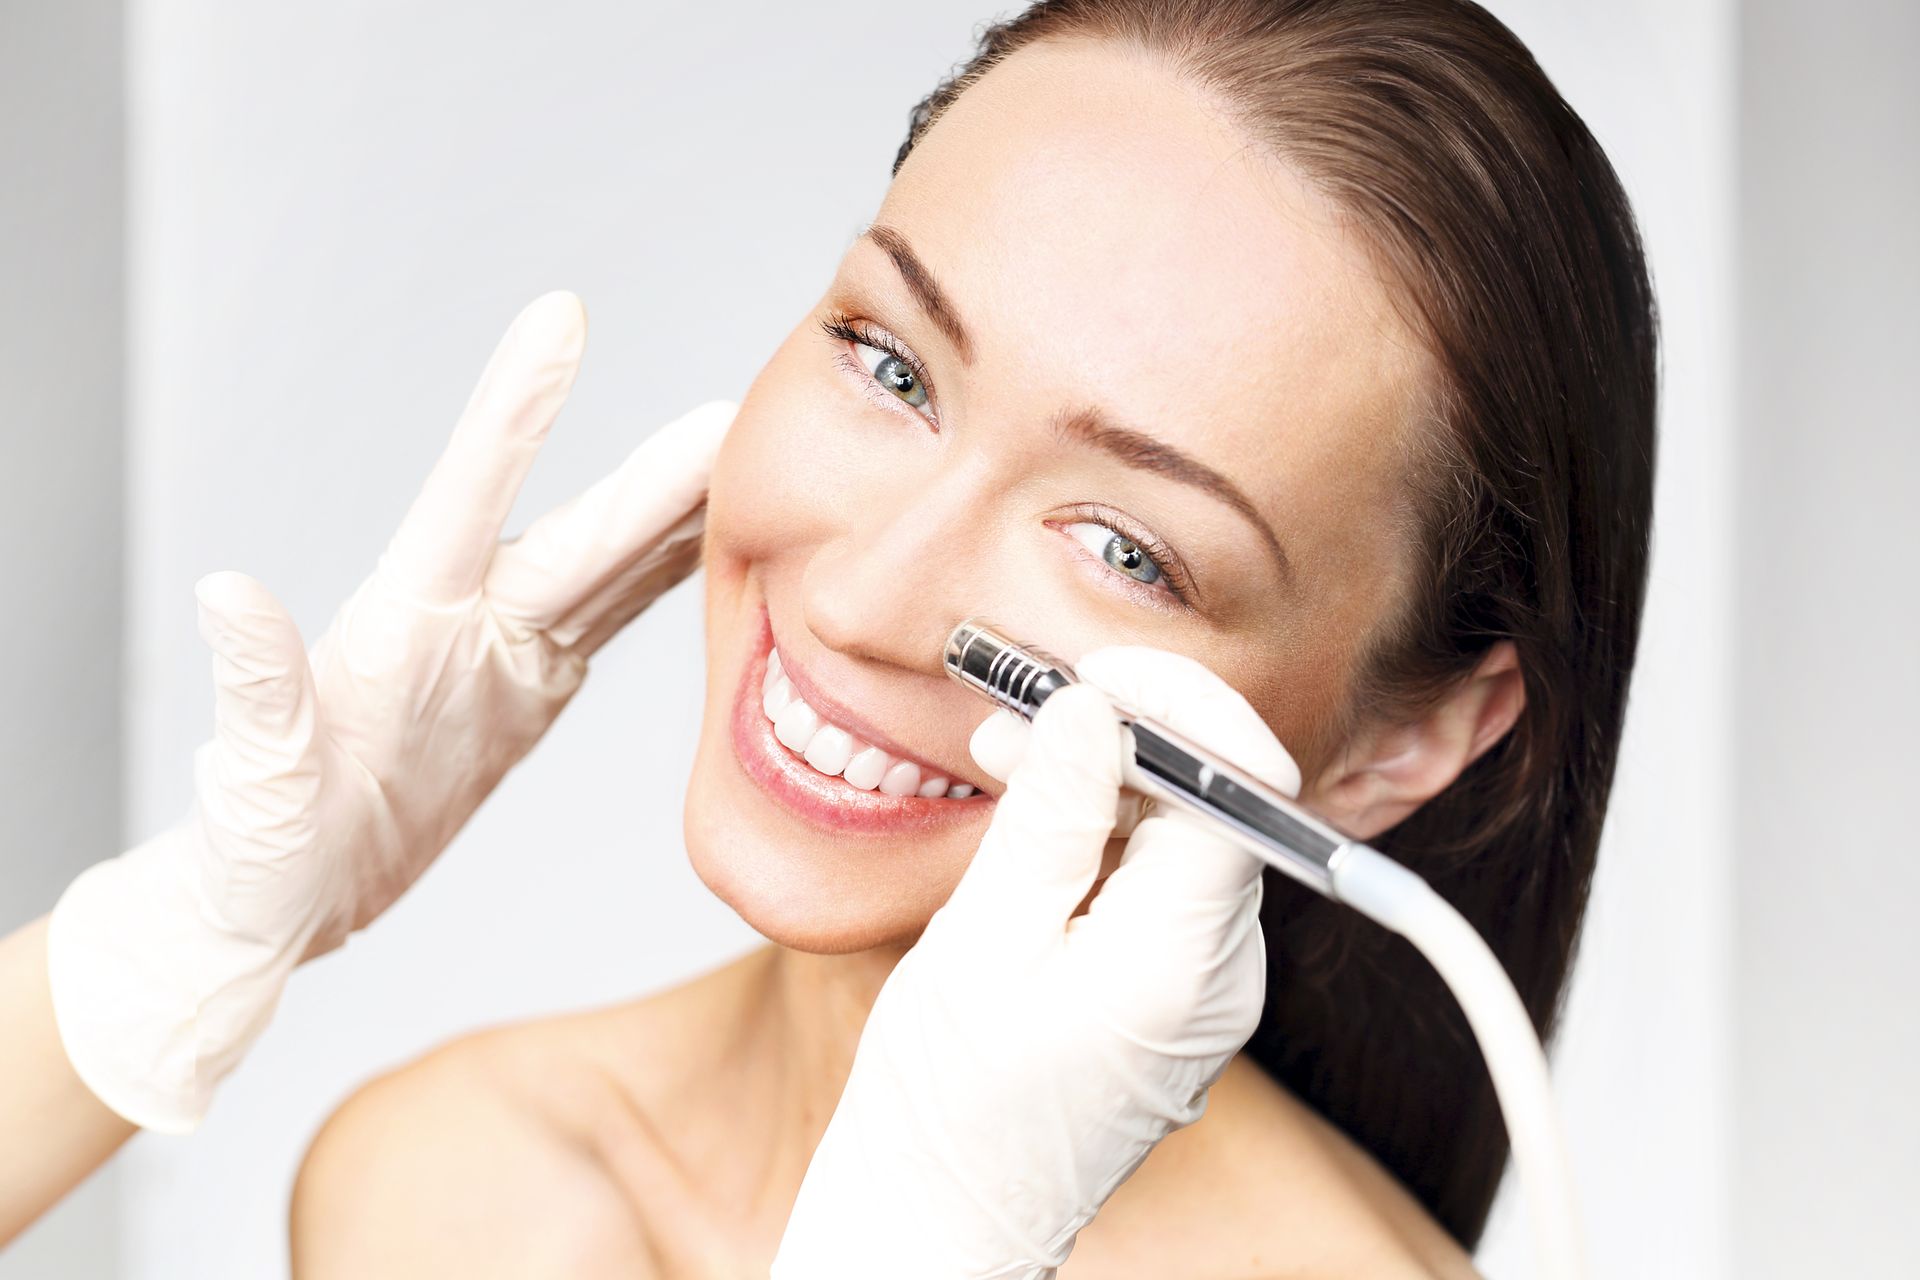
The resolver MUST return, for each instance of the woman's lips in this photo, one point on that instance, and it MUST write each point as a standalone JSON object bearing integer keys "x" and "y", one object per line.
{"x": 831, "y": 804}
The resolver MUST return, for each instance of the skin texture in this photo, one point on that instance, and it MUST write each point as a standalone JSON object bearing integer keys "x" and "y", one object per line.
{"x": 1109, "y": 241}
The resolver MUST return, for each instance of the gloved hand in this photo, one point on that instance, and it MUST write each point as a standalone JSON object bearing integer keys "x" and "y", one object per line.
{"x": 1019, "y": 1064}
{"x": 334, "y": 778}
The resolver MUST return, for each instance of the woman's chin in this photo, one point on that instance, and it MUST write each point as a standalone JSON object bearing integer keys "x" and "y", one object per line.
{"x": 807, "y": 908}
{"x": 808, "y": 895}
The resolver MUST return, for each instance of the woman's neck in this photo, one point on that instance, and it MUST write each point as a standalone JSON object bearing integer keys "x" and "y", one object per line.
{"x": 781, "y": 1066}
{"x": 816, "y": 1007}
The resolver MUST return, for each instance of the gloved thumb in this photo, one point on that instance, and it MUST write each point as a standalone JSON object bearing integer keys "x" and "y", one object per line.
{"x": 266, "y": 710}
{"x": 1042, "y": 848}
{"x": 999, "y": 742}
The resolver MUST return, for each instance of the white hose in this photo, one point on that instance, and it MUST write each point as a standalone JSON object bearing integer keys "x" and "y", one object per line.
{"x": 1387, "y": 892}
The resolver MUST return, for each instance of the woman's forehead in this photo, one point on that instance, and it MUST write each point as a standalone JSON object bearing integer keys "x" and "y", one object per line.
{"x": 1101, "y": 231}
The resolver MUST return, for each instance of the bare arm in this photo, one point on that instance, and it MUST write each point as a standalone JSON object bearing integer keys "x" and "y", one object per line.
{"x": 55, "y": 1131}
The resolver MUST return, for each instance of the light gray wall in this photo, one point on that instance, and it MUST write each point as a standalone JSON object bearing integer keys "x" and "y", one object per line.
{"x": 1827, "y": 952}
{"x": 61, "y": 358}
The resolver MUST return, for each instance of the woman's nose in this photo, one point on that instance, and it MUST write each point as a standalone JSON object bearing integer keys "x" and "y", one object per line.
{"x": 899, "y": 574}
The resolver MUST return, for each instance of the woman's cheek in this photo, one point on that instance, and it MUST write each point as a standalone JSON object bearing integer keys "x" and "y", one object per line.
{"x": 796, "y": 462}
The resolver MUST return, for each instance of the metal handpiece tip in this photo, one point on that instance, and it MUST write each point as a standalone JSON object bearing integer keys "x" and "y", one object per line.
{"x": 963, "y": 635}
{"x": 1012, "y": 675}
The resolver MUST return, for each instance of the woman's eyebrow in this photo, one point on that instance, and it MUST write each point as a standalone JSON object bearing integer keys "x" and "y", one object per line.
{"x": 1143, "y": 452}
{"x": 1087, "y": 426}
{"x": 920, "y": 282}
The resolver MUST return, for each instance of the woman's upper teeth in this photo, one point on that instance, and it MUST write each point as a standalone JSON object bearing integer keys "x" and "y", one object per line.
{"x": 836, "y": 752}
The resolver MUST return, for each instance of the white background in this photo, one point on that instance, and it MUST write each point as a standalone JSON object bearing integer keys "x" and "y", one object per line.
{"x": 331, "y": 212}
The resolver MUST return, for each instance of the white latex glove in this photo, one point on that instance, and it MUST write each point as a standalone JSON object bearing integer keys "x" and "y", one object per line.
{"x": 334, "y": 778}
{"x": 1019, "y": 1064}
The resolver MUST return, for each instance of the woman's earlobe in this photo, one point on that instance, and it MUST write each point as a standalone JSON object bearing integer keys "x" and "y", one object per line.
{"x": 1389, "y": 770}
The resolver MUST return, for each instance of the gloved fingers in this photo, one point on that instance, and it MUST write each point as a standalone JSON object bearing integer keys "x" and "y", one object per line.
{"x": 1187, "y": 697}
{"x": 1177, "y": 892}
{"x": 1000, "y": 741}
{"x": 610, "y": 551}
{"x": 602, "y": 616}
{"x": 440, "y": 553}
{"x": 1170, "y": 952}
{"x": 1174, "y": 975}
{"x": 264, "y": 760}
{"x": 1042, "y": 848}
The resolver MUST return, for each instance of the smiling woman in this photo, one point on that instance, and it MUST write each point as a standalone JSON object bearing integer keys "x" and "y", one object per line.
{"x": 1310, "y": 341}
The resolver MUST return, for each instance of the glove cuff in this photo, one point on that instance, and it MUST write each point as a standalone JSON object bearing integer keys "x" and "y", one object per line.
{"x": 154, "y": 1005}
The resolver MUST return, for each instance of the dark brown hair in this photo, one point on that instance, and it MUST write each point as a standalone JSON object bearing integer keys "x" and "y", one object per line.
{"x": 1516, "y": 258}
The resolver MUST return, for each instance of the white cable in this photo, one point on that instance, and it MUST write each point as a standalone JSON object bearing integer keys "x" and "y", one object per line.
{"x": 1387, "y": 892}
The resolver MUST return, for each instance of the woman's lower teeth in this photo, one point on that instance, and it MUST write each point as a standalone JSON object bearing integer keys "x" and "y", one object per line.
{"x": 835, "y": 752}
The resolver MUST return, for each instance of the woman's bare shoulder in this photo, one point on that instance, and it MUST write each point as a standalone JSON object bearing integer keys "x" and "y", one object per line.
{"x": 488, "y": 1155}
{"x": 438, "y": 1167}
{"x": 1262, "y": 1186}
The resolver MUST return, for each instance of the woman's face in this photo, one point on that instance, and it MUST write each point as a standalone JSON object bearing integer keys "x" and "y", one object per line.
{"x": 1144, "y": 388}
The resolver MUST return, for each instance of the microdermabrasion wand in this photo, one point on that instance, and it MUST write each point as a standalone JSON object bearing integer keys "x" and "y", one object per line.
{"x": 1165, "y": 766}
{"x": 1161, "y": 764}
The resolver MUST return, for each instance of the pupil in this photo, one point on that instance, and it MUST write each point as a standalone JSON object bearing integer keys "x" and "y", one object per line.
{"x": 1125, "y": 554}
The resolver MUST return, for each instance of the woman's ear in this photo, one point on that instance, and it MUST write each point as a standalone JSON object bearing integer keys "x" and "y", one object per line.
{"x": 1386, "y": 771}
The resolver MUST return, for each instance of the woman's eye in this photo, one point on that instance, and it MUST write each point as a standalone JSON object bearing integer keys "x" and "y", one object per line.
{"x": 1118, "y": 550}
{"x": 892, "y": 373}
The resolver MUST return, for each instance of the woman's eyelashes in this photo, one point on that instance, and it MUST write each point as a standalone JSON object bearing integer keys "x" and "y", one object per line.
{"x": 890, "y": 375}
{"x": 891, "y": 369}
{"x": 1152, "y": 569}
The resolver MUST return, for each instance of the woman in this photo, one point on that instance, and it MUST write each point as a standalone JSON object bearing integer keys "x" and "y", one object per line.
{"x": 1423, "y": 570}
{"x": 1361, "y": 259}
